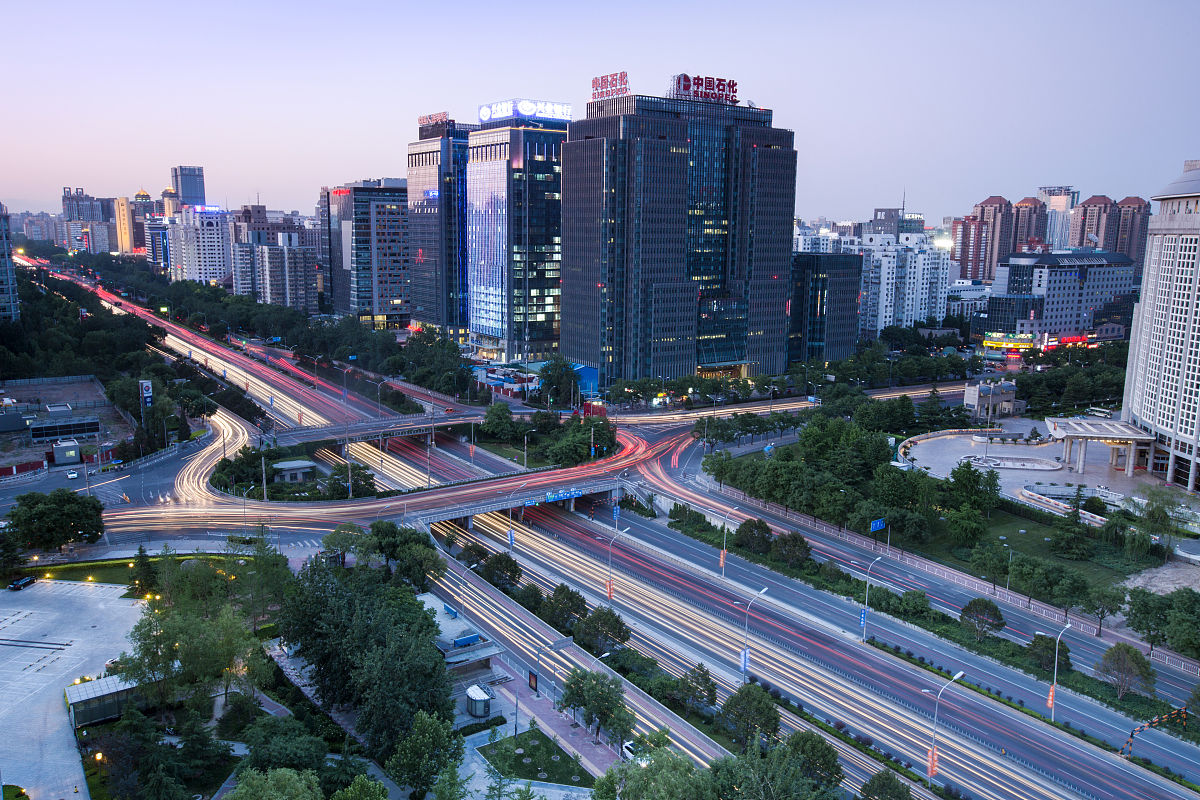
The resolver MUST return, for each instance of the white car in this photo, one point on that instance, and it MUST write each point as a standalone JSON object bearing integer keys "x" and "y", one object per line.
{"x": 72, "y": 475}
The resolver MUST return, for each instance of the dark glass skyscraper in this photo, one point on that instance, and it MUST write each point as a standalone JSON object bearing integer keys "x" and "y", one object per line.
{"x": 824, "y": 306}
{"x": 437, "y": 229}
{"x": 365, "y": 236}
{"x": 188, "y": 183}
{"x": 10, "y": 303}
{"x": 514, "y": 230}
{"x": 677, "y": 239}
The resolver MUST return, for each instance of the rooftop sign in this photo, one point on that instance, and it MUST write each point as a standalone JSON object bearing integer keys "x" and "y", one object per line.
{"x": 525, "y": 109}
{"x": 434, "y": 119}
{"x": 615, "y": 84}
{"x": 699, "y": 87}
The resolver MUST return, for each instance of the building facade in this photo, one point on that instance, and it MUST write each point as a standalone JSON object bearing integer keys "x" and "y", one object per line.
{"x": 514, "y": 230}
{"x": 1162, "y": 381}
{"x": 823, "y": 310}
{"x": 905, "y": 280}
{"x": 10, "y": 302}
{"x": 972, "y": 238}
{"x": 199, "y": 245}
{"x": 1030, "y": 222}
{"x": 678, "y": 216}
{"x": 997, "y": 214}
{"x": 188, "y": 183}
{"x": 365, "y": 235}
{"x": 1041, "y": 300}
{"x": 1059, "y": 201}
{"x": 437, "y": 225}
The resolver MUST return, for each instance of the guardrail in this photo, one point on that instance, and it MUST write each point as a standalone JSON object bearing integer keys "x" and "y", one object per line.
{"x": 1049, "y": 612}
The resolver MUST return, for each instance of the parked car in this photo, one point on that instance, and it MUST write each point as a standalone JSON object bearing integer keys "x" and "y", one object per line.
{"x": 21, "y": 583}
{"x": 72, "y": 475}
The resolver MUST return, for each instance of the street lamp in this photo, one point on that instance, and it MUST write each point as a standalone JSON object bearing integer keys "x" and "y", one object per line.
{"x": 608, "y": 585}
{"x": 1054, "y": 686}
{"x": 531, "y": 430}
{"x": 507, "y": 503}
{"x": 724, "y": 538}
{"x": 597, "y": 658}
{"x": 746, "y": 634}
{"x": 867, "y": 598}
{"x": 936, "y": 705}
{"x": 555, "y": 645}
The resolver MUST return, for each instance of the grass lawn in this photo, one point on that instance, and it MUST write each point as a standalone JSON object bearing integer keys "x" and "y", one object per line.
{"x": 513, "y": 453}
{"x": 115, "y": 570}
{"x": 538, "y": 758}
{"x": 1107, "y": 567}
{"x": 12, "y": 792}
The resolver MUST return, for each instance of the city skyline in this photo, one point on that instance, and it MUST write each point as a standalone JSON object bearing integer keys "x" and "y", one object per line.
{"x": 862, "y": 142}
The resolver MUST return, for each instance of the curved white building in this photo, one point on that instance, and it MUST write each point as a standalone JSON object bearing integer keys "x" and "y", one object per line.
{"x": 1162, "y": 381}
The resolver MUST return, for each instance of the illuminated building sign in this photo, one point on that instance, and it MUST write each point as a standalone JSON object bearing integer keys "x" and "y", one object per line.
{"x": 698, "y": 87}
{"x": 527, "y": 109}
{"x": 612, "y": 85}
{"x": 434, "y": 119}
{"x": 431, "y": 194}
{"x": 1009, "y": 341}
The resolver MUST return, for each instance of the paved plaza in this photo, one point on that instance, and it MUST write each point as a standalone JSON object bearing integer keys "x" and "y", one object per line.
{"x": 50, "y": 634}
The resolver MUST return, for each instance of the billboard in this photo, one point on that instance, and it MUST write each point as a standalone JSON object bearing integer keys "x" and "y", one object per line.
{"x": 147, "y": 393}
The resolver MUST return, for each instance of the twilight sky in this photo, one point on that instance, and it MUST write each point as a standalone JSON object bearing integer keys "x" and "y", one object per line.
{"x": 949, "y": 101}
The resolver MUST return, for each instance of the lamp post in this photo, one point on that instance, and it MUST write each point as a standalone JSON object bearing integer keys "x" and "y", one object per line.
{"x": 245, "y": 524}
{"x": 507, "y": 503}
{"x": 531, "y": 430}
{"x": 867, "y": 598}
{"x": 1053, "y": 701}
{"x": 936, "y": 705}
{"x": 597, "y": 658}
{"x": 724, "y": 538}
{"x": 746, "y": 633}
{"x": 555, "y": 645}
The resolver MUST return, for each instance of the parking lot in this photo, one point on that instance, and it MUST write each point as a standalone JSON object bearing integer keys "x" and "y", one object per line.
{"x": 50, "y": 634}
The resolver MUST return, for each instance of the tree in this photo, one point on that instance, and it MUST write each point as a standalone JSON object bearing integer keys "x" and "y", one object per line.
{"x": 452, "y": 785}
{"x": 159, "y": 784}
{"x": 263, "y": 580}
{"x": 282, "y": 743}
{"x": 819, "y": 758}
{"x": 198, "y": 748}
{"x": 498, "y": 764}
{"x": 501, "y": 570}
{"x": 666, "y": 775}
{"x": 884, "y": 785}
{"x": 1194, "y": 698}
{"x": 1070, "y": 592}
{"x": 914, "y": 604}
{"x": 428, "y": 748}
{"x": 1124, "y": 666}
{"x": 753, "y": 535}
{"x": 1041, "y": 651}
{"x": 1102, "y": 602}
{"x": 48, "y": 521}
{"x": 981, "y": 616}
{"x": 276, "y": 784}
{"x": 364, "y": 788}
{"x": 792, "y": 549}
{"x": 145, "y": 576}
{"x": 1148, "y": 616}
{"x": 598, "y": 696}
{"x": 498, "y": 423}
{"x": 559, "y": 381}
{"x": 11, "y": 557}
{"x": 989, "y": 494}
{"x": 990, "y": 560}
{"x": 751, "y": 715}
{"x": 602, "y": 630}
{"x": 1183, "y": 633}
{"x": 363, "y": 481}
{"x": 563, "y": 608}
{"x": 699, "y": 688}
{"x": 152, "y": 662}
{"x": 966, "y": 525}
{"x": 473, "y": 553}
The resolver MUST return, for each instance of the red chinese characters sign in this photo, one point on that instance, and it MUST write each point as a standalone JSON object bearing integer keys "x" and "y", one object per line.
{"x": 699, "y": 87}
{"x": 614, "y": 85}
{"x": 434, "y": 119}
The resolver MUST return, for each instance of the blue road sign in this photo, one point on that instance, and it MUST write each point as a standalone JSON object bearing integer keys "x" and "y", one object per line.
{"x": 616, "y": 511}
{"x": 877, "y": 525}
{"x": 746, "y": 659}
{"x": 862, "y": 618}
{"x": 511, "y": 540}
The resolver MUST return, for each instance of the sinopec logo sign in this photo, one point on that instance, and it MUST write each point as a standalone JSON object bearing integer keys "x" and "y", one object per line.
{"x": 703, "y": 87}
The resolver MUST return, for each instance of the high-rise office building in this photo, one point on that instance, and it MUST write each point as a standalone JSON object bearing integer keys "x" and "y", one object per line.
{"x": 169, "y": 203}
{"x": 1162, "y": 379}
{"x": 158, "y": 243}
{"x": 1059, "y": 201}
{"x": 274, "y": 267}
{"x": 125, "y": 225}
{"x": 365, "y": 232}
{"x": 79, "y": 205}
{"x": 514, "y": 229}
{"x": 437, "y": 224}
{"x": 894, "y": 221}
{"x": 677, "y": 223}
{"x": 188, "y": 183}
{"x": 199, "y": 245}
{"x": 823, "y": 310}
{"x": 1029, "y": 223}
{"x": 1093, "y": 223}
{"x": 10, "y": 303}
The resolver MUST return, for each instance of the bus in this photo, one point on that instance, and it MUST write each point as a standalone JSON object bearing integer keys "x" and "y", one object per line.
{"x": 1100, "y": 412}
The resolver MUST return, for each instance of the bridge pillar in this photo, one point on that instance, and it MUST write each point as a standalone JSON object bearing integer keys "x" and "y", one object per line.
{"x": 570, "y": 503}
{"x": 471, "y": 523}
